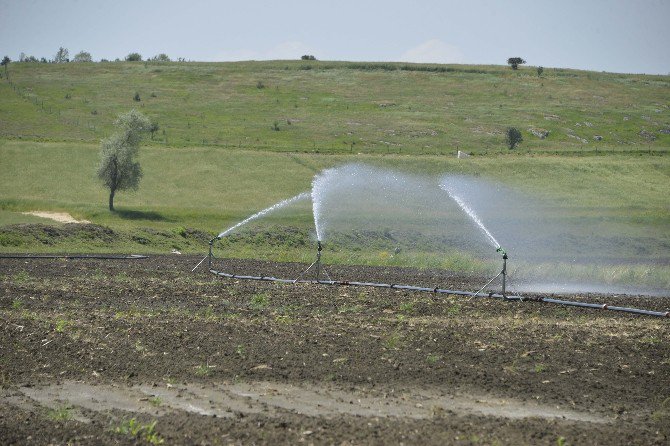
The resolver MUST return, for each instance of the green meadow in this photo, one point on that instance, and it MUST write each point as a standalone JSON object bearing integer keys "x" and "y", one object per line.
{"x": 235, "y": 138}
{"x": 341, "y": 107}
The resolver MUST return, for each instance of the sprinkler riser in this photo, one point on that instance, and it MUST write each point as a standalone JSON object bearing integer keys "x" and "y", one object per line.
{"x": 504, "y": 273}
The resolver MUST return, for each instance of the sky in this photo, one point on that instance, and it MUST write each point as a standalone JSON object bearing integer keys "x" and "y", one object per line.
{"x": 602, "y": 35}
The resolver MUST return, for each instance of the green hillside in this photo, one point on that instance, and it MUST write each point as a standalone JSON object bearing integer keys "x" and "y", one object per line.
{"x": 341, "y": 107}
{"x": 235, "y": 138}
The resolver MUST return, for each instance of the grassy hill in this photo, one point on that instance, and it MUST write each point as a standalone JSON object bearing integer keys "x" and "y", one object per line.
{"x": 341, "y": 107}
{"x": 218, "y": 158}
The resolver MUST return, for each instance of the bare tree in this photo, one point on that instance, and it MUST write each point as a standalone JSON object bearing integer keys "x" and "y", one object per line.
{"x": 62, "y": 55}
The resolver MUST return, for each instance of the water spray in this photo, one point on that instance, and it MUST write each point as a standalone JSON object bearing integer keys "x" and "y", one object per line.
{"x": 274, "y": 207}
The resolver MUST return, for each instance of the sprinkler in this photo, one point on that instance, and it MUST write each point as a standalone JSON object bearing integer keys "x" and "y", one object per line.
{"x": 470, "y": 294}
{"x": 316, "y": 264}
{"x": 209, "y": 255}
{"x": 502, "y": 273}
{"x": 504, "y": 269}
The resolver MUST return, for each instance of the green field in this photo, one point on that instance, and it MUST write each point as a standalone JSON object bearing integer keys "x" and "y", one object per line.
{"x": 217, "y": 159}
{"x": 340, "y": 107}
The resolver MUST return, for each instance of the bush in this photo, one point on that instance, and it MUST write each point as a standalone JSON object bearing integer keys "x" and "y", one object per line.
{"x": 162, "y": 57}
{"x": 540, "y": 70}
{"x": 137, "y": 97}
{"x": 513, "y": 137}
{"x": 514, "y": 62}
{"x": 308, "y": 57}
{"x": 134, "y": 57}
{"x": 83, "y": 56}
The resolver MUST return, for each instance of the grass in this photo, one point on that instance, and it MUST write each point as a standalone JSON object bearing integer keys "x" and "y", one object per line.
{"x": 382, "y": 108}
{"x": 140, "y": 431}
{"x": 63, "y": 413}
{"x": 208, "y": 189}
{"x": 259, "y": 301}
{"x": 219, "y": 157}
{"x": 203, "y": 370}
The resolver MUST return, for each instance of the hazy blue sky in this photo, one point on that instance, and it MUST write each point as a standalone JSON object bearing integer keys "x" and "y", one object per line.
{"x": 614, "y": 35}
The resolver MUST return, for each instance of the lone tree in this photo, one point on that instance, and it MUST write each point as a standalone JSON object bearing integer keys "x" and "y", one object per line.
{"x": 514, "y": 62}
{"x": 134, "y": 57}
{"x": 118, "y": 169}
{"x": 5, "y": 63}
{"x": 62, "y": 55}
{"x": 513, "y": 137}
{"x": 83, "y": 56}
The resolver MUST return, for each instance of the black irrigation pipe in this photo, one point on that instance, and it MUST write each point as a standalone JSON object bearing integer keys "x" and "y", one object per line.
{"x": 74, "y": 256}
{"x": 454, "y": 292}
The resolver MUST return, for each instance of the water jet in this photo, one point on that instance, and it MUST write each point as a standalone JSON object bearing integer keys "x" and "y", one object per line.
{"x": 356, "y": 195}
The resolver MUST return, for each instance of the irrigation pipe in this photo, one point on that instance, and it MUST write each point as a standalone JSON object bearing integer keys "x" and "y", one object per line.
{"x": 445, "y": 291}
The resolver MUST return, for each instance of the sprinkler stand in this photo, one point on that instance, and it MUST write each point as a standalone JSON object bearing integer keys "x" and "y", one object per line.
{"x": 317, "y": 264}
{"x": 504, "y": 274}
{"x": 504, "y": 270}
{"x": 208, "y": 256}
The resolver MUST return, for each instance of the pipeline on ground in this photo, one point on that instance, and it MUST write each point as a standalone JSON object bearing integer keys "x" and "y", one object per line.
{"x": 435, "y": 290}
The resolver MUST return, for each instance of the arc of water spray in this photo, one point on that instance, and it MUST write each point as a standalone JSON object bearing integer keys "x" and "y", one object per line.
{"x": 274, "y": 207}
{"x": 473, "y": 216}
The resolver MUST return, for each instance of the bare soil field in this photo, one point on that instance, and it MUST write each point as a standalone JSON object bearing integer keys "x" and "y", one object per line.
{"x": 145, "y": 351}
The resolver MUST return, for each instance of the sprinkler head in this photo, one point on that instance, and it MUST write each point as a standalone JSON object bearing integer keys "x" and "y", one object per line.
{"x": 504, "y": 253}
{"x": 318, "y": 242}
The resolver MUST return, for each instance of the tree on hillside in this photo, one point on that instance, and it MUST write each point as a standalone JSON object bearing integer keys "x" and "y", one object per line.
{"x": 514, "y": 62}
{"x": 162, "y": 57}
{"x": 134, "y": 57}
{"x": 5, "y": 63}
{"x": 83, "y": 56}
{"x": 118, "y": 170}
{"x": 513, "y": 137}
{"x": 62, "y": 55}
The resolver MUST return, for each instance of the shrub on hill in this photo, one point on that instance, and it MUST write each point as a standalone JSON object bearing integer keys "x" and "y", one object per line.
{"x": 513, "y": 137}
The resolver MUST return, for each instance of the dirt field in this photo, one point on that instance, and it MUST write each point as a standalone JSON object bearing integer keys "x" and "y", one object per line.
{"x": 144, "y": 351}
